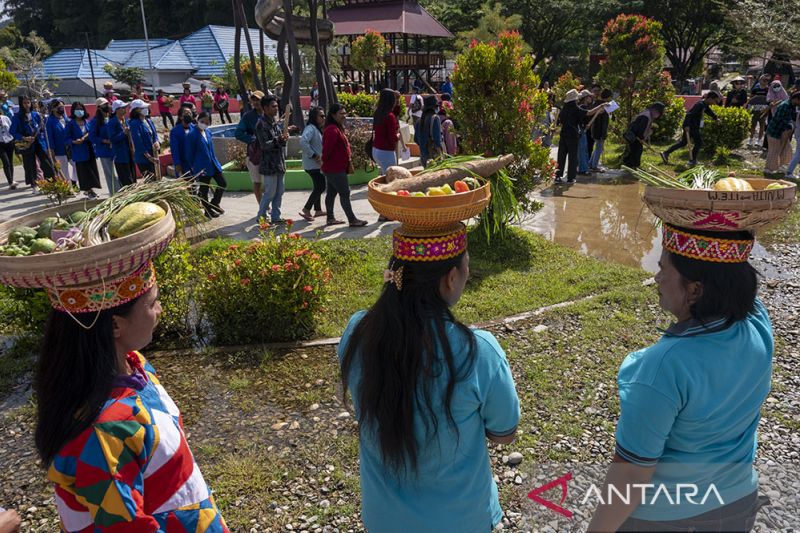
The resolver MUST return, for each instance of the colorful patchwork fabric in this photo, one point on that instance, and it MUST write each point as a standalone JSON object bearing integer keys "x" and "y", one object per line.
{"x": 437, "y": 248}
{"x": 107, "y": 295}
{"x": 703, "y": 248}
{"x": 132, "y": 470}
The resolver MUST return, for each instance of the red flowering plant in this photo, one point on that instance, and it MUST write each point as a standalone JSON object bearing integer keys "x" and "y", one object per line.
{"x": 634, "y": 61}
{"x": 497, "y": 106}
{"x": 265, "y": 290}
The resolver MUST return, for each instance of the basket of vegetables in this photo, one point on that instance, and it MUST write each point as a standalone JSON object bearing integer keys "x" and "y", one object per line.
{"x": 454, "y": 190}
{"x": 70, "y": 246}
{"x": 707, "y": 199}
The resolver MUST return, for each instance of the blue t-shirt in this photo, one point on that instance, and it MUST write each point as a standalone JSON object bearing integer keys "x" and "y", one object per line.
{"x": 453, "y": 489}
{"x": 690, "y": 405}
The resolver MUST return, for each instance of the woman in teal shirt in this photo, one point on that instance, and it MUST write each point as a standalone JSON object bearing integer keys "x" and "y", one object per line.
{"x": 427, "y": 391}
{"x": 690, "y": 404}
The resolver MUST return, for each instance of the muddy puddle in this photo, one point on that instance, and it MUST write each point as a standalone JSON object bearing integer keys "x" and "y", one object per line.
{"x": 603, "y": 217}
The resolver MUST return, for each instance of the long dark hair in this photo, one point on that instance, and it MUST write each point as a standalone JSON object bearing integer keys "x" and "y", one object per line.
{"x": 72, "y": 109}
{"x": 331, "y": 118}
{"x": 729, "y": 289}
{"x": 386, "y": 101}
{"x": 74, "y": 378}
{"x": 401, "y": 348}
{"x": 100, "y": 118}
{"x": 312, "y": 116}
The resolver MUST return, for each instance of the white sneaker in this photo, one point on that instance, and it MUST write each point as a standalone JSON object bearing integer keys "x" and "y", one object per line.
{"x": 791, "y": 177}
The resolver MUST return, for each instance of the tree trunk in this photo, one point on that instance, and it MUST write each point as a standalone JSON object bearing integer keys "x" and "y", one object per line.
{"x": 332, "y": 98}
{"x": 287, "y": 74}
{"x": 320, "y": 69}
{"x": 243, "y": 21}
{"x": 297, "y": 66}
{"x": 237, "y": 58}
{"x": 262, "y": 59}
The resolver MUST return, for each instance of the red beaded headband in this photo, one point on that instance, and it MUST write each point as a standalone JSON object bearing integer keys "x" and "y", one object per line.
{"x": 705, "y": 248}
{"x": 439, "y": 248}
{"x": 104, "y": 295}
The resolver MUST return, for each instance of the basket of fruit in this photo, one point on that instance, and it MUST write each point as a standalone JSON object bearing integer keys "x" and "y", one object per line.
{"x": 67, "y": 246}
{"x": 706, "y": 199}
{"x": 457, "y": 189}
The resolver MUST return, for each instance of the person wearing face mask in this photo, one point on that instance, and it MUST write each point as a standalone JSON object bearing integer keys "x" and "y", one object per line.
{"x": 145, "y": 137}
{"x": 57, "y": 138}
{"x": 121, "y": 143}
{"x": 177, "y": 142}
{"x": 78, "y": 133}
{"x": 98, "y": 135}
{"x": 204, "y": 164}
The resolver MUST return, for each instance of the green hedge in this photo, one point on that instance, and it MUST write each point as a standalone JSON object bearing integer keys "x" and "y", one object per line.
{"x": 730, "y": 132}
{"x": 363, "y": 104}
{"x": 665, "y": 128}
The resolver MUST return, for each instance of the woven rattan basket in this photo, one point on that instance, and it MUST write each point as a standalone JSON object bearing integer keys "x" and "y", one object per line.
{"x": 722, "y": 210}
{"x": 84, "y": 265}
{"x": 423, "y": 213}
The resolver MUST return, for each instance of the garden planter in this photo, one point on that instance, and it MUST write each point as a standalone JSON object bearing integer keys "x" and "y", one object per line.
{"x": 296, "y": 179}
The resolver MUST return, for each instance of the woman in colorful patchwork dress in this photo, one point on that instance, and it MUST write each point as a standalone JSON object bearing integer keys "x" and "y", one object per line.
{"x": 690, "y": 404}
{"x": 109, "y": 434}
{"x": 428, "y": 392}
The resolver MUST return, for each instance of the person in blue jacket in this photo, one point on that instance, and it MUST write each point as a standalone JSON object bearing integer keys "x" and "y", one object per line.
{"x": 204, "y": 164}
{"x": 246, "y": 133}
{"x": 98, "y": 135}
{"x": 177, "y": 141}
{"x": 145, "y": 137}
{"x": 78, "y": 133}
{"x": 57, "y": 137}
{"x": 121, "y": 143}
{"x": 28, "y": 129}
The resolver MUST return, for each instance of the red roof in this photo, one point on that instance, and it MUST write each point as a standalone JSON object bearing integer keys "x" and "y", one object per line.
{"x": 405, "y": 17}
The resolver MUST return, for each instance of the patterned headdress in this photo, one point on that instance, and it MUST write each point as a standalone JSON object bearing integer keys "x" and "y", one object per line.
{"x": 105, "y": 294}
{"x": 449, "y": 243}
{"x": 715, "y": 249}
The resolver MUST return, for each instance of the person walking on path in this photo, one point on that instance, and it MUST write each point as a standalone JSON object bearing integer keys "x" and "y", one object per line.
{"x": 779, "y": 135}
{"x": 7, "y": 150}
{"x": 205, "y": 165}
{"x": 121, "y": 143}
{"x": 336, "y": 164}
{"x": 638, "y": 133}
{"x": 187, "y": 96}
{"x": 385, "y": 131}
{"x": 145, "y": 138}
{"x": 5, "y": 105}
{"x": 98, "y": 135}
{"x": 221, "y": 103}
{"x": 164, "y": 104}
{"x": 206, "y": 98}
{"x": 415, "y": 106}
{"x": 246, "y": 133}
{"x": 79, "y": 133}
{"x": 271, "y": 141}
{"x": 28, "y": 130}
{"x": 598, "y": 126}
{"x": 311, "y": 144}
{"x": 692, "y": 127}
{"x": 427, "y": 392}
{"x": 178, "y": 142}
{"x": 571, "y": 117}
{"x": 428, "y": 135}
{"x": 57, "y": 138}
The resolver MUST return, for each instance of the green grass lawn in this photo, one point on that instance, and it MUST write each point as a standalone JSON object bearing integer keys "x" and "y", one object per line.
{"x": 678, "y": 160}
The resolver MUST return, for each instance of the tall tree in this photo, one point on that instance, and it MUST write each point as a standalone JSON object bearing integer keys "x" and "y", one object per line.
{"x": 25, "y": 60}
{"x": 492, "y": 22}
{"x": 293, "y": 86}
{"x": 692, "y": 28}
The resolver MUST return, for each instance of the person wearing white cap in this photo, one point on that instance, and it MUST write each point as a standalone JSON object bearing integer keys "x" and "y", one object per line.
{"x": 737, "y": 96}
{"x": 570, "y": 118}
{"x": 145, "y": 137}
{"x": 121, "y": 143}
{"x": 98, "y": 135}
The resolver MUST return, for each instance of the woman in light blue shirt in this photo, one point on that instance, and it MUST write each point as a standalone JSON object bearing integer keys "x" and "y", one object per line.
{"x": 311, "y": 144}
{"x": 690, "y": 404}
{"x": 427, "y": 392}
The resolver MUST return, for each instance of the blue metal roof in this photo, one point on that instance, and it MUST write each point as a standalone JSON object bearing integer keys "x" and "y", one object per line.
{"x": 205, "y": 52}
{"x": 134, "y": 45}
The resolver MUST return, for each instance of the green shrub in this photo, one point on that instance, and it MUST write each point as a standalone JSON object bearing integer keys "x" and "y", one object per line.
{"x": 266, "y": 290}
{"x": 363, "y": 104}
{"x": 730, "y": 132}
{"x": 23, "y": 310}
{"x": 176, "y": 277}
{"x": 563, "y": 84}
{"x": 722, "y": 156}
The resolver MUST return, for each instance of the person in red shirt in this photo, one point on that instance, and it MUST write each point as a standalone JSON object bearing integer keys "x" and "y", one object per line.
{"x": 336, "y": 164}
{"x": 221, "y": 104}
{"x": 385, "y": 131}
{"x": 164, "y": 104}
{"x": 187, "y": 96}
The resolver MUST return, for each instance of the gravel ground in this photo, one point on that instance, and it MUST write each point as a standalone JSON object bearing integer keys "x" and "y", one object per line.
{"x": 280, "y": 450}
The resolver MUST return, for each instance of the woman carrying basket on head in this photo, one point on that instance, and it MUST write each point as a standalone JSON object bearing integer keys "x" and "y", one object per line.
{"x": 428, "y": 392}
{"x": 690, "y": 404}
